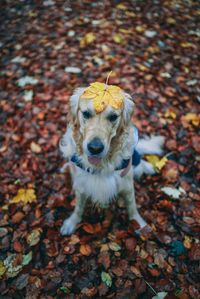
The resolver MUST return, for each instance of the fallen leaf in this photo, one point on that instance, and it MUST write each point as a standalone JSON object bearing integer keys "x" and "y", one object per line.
{"x": 85, "y": 249}
{"x": 87, "y": 39}
{"x": 73, "y": 70}
{"x": 114, "y": 246}
{"x": 28, "y": 95}
{"x": 193, "y": 118}
{"x": 106, "y": 278}
{"x": 160, "y": 295}
{"x": 34, "y": 237}
{"x": 27, "y": 258}
{"x": 157, "y": 163}
{"x": 2, "y": 268}
{"x": 27, "y": 80}
{"x": 173, "y": 192}
{"x": 136, "y": 271}
{"x": 35, "y": 148}
{"x": 24, "y": 196}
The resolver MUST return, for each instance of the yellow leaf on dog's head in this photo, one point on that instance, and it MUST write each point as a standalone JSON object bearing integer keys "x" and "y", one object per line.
{"x": 104, "y": 95}
{"x": 24, "y": 196}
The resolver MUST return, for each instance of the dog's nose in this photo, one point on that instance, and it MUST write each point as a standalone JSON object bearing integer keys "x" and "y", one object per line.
{"x": 95, "y": 146}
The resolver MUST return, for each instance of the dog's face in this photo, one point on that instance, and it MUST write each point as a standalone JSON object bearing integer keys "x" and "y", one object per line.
{"x": 98, "y": 129}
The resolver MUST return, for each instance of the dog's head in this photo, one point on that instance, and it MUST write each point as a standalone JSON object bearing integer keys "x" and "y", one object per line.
{"x": 98, "y": 122}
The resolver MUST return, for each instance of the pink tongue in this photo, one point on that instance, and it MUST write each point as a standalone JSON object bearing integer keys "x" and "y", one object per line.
{"x": 94, "y": 160}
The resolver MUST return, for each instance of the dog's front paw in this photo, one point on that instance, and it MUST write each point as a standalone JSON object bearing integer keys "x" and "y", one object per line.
{"x": 69, "y": 226}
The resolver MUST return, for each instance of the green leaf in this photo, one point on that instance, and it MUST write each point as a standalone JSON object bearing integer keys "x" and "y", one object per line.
{"x": 65, "y": 290}
{"x": 106, "y": 278}
{"x": 160, "y": 295}
{"x": 27, "y": 258}
{"x": 177, "y": 248}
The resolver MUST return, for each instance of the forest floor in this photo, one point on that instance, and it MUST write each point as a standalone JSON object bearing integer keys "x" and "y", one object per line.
{"x": 48, "y": 48}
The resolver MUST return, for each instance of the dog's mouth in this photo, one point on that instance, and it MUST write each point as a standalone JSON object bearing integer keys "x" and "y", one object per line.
{"x": 94, "y": 160}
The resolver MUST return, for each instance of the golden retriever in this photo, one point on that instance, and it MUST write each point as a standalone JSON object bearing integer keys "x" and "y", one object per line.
{"x": 99, "y": 147}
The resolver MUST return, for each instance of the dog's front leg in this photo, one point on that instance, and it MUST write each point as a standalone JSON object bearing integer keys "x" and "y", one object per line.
{"x": 133, "y": 213}
{"x": 70, "y": 223}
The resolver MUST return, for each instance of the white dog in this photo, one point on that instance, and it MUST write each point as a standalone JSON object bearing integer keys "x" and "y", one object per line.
{"x": 102, "y": 147}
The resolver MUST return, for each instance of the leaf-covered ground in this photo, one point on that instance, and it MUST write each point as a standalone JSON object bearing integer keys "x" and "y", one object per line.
{"x": 48, "y": 48}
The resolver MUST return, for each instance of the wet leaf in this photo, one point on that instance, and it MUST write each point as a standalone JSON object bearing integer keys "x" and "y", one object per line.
{"x": 2, "y": 268}
{"x": 24, "y": 196}
{"x": 34, "y": 237}
{"x": 27, "y": 258}
{"x": 160, "y": 295}
{"x": 85, "y": 249}
{"x": 173, "y": 192}
{"x": 106, "y": 278}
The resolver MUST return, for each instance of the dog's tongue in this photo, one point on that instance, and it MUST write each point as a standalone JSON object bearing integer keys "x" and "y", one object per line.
{"x": 94, "y": 160}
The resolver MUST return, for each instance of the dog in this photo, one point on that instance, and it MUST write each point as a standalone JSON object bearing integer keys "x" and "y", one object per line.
{"x": 103, "y": 151}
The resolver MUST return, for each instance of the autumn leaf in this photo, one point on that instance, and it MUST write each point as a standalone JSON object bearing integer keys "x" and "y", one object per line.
{"x": 157, "y": 163}
{"x": 85, "y": 249}
{"x": 173, "y": 192}
{"x": 34, "y": 237}
{"x": 193, "y": 118}
{"x": 24, "y": 196}
{"x": 27, "y": 258}
{"x": 114, "y": 246}
{"x": 2, "y": 268}
{"x": 103, "y": 95}
{"x": 87, "y": 39}
{"x": 106, "y": 278}
{"x": 35, "y": 148}
{"x": 118, "y": 38}
{"x": 160, "y": 295}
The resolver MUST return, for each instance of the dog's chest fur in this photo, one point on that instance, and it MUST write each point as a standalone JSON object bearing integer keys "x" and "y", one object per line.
{"x": 100, "y": 188}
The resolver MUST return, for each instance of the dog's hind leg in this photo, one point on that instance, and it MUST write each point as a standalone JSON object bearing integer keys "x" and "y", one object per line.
{"x": 69, "y": 225}
{"x": 133, "y": 214}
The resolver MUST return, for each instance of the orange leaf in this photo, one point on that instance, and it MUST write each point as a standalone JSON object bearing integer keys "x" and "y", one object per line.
{"x": 85, "y": 249}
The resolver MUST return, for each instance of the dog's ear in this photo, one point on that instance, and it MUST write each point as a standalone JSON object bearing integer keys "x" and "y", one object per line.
{"x": 128, "y": 109}
{"x": 74, "y": 104}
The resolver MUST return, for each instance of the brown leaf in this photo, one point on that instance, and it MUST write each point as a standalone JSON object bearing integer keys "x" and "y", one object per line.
{"x": 18, "y": 246}
{"x": 85, "y": 249}
{"x": 104, "y": 259}
{"x": 17, "y": 217}
{"x": 130, "y": 244}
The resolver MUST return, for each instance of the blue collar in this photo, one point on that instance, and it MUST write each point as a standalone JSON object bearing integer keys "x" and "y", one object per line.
{"x": 135, "y": 162}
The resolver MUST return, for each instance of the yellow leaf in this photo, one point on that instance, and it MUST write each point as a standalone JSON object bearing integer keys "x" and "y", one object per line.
{"x": 142, "y": 67}
{"x": 2, "y": 268}
{"x": 140, "y": 29}
{"x": 24, "y": 196}
{"x": 194, "y": 118}
{"x": 153, "y": 159}
{"x": 121, "y": 6}
{"x": 87, "y": 39}
{"x": 35, "y": 148}
{"x": 186, "y": 45}
{"x": 157, "y": 163}
{"x": 171, "y": 21}
{"x": 170, "y": 114}
{"x": 160, "y": 164}
{"x": 118, "y": 38}
{"x": 104, "y": 95}
{"x": 187, "y": 242}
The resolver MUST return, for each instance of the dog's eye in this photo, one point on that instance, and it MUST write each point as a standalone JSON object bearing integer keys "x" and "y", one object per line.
{"x": 86, "y": 114}
{"x": 112, "y": 117}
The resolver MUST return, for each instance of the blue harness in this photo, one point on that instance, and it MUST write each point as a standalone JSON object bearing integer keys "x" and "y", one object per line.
{"x": 136, "y": 158}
